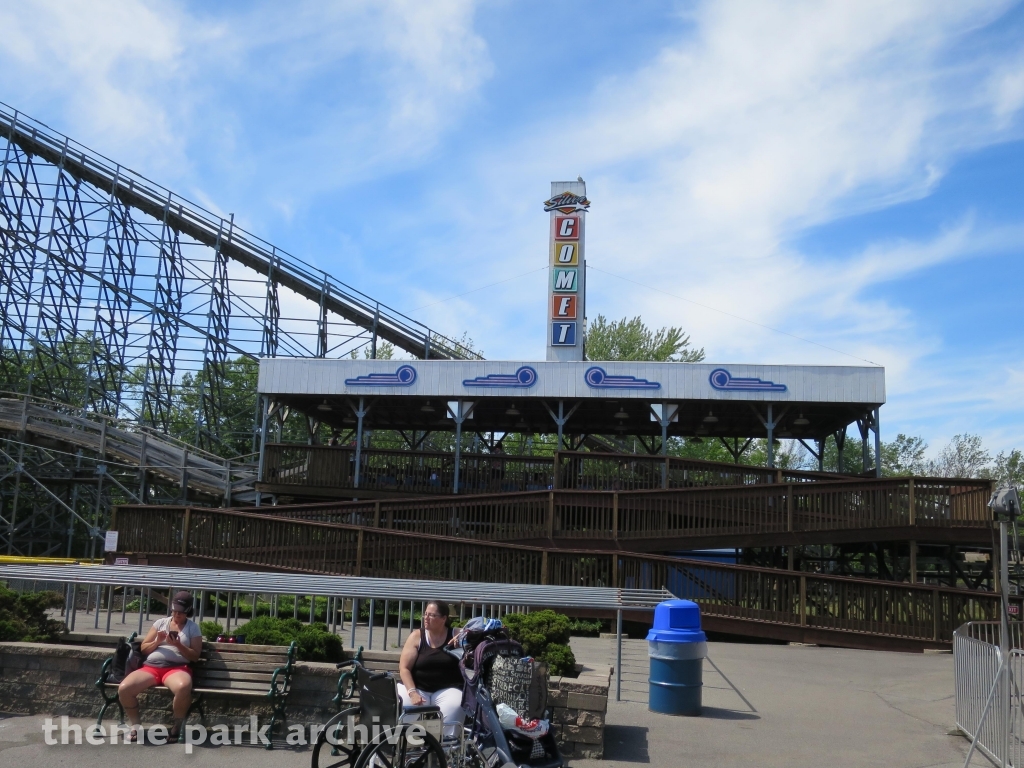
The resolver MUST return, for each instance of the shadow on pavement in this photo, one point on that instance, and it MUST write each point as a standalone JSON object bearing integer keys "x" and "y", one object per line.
{"x": 626, "y": 743}
{"x": 718, "y": 713}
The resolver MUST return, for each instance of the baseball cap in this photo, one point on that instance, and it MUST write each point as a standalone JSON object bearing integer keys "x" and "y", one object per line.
{"x": 182, "y": 601}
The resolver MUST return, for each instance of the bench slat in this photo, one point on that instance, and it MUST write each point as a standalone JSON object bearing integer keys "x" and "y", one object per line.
{"x": 268, "y": 658}
{"x": 220, "y": 674}
{"x": 236, "y": 666}
{"x": 231, "y": 685}
{"x": 247, "y": 648}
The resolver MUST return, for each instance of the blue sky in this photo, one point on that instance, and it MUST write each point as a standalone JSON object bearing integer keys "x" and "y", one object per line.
{"x": 846, "y": 173}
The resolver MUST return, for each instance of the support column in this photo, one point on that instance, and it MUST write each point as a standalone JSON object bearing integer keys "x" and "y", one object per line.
{"x": 463, "y": 410}
{"x": 561, "y": 419}
{"x": 878, "y": 445}
{"x": 664, "y": 414}
{"x": 840, "y": 438}
{"x": 264, "y": 415}
{"x": 769, "y": 424}
{"x": 913, "y": 562}
{"x": 361, "y": 412}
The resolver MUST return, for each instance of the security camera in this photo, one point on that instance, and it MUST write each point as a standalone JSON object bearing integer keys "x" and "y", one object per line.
{"x": 1005, "y": 503}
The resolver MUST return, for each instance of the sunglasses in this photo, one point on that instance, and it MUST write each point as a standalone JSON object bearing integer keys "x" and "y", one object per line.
{"x": 432, "y": 616}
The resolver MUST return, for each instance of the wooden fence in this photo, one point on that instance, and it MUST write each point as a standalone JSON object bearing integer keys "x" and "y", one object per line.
{"x": 921, "y": 507}
{"x": 320, "y": 468}
{"x": 744, "y": 593}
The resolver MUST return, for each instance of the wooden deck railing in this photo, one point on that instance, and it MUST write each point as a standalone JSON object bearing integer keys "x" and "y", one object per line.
{"x": 880, "y": 609}
{"x": 321, "y": 468}
{"x": 696, "y": 515}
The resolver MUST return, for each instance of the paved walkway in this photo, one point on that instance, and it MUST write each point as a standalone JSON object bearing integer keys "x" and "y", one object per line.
{"x": 781, "y": 705}
{"x": 765, "y": 706}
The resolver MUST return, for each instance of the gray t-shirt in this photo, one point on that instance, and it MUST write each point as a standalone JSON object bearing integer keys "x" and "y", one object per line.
{"x": 167, "y": 655}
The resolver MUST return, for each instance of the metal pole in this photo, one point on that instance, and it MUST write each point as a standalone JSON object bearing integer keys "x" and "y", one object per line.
{"x": 618, "y": 654}
{"x": 359, "y": 440}
{"x": 458, "y": 444}
{"x": 369, "y": 639}
{"x": 878, "y": 450}
{"x": 399, "y": 623}
{"x": 142, "y": 595}
{"x": 74, "y": 606}
{"x": 110, "y": 605}
{"x": 355, "y": 618}
{"x": 771, "y": 448}
{"x": 387, "y": 605}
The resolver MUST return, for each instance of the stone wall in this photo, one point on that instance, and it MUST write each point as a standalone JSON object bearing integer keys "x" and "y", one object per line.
{"x": 39, "y": 679}
{"x": 578, "y": 707}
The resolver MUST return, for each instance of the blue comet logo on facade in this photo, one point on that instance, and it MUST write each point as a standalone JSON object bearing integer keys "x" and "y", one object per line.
{"x": 724, "y": 381}
{"x": 524, "y": 376}
{"x": 597, "y": 378}
{"x": 403, "y": 377}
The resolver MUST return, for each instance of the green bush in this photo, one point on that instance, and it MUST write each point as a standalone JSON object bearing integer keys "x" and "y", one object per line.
{"x": 585, "y": 628}
{"x": 210, "y": 630}
{"x": 545, "y": 636}
{"x": 23, "y": 617}
{"x": 315, "y": 642}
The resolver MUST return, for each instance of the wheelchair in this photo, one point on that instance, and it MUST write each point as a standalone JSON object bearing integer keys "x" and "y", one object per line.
{"x": 380, "y": 732}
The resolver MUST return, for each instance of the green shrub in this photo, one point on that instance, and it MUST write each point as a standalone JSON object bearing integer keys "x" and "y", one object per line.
{"x": 210, "y": 630}
{"x": 585, "y": 627}
{"x": 545, "y": 636}
{"x": 23, "y": 617}
{"x": 315, "y": 642}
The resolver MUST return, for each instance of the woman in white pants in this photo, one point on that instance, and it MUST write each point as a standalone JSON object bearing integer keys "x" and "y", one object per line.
{"x": 430, "y": 675}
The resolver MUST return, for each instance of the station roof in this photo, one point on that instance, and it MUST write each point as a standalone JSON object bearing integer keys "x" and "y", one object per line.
{"x": 728, "y": 400}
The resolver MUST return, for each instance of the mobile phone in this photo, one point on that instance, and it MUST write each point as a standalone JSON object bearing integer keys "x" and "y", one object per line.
{"x": 173, "y": 634}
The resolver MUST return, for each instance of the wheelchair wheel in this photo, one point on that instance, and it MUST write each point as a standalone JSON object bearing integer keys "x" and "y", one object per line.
{"x": 472, "y": 758}
{"x": 335, "y": 747}
{"x": 410, "y": 747}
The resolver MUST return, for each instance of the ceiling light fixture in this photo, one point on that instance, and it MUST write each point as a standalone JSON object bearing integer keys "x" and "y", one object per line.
{"x": 621, "y": 414}
{"x": 427, "y": 407}
{"x": 513, "y": 411}
{"x": 710, "y": 418}
{"x": 324, "y": 406}
{"x": 801, "y": 421}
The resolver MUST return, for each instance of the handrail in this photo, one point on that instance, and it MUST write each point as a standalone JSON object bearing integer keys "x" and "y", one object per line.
{"x": 749, "y": 593}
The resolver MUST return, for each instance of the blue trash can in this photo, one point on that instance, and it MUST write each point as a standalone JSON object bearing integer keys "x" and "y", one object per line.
{"x": 677, "y": 647}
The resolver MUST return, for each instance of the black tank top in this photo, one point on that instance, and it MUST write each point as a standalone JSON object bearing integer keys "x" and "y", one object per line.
{"x": 434, "y": 668}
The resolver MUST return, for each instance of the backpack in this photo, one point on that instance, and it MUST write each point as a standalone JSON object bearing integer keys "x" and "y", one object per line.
{"x": 117, "y": 669}
{"x": 128, "y": 657}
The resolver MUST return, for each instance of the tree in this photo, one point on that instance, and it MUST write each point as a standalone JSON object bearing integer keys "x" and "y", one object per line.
{"x": 632, "y": 340}
{"x": 904, "y": 456}
{"x": 964, "y": 456}
{"x": 1008, "y": 469}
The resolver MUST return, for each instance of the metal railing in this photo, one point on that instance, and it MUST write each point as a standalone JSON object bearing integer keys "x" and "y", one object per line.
{"x": 988, "y": 691}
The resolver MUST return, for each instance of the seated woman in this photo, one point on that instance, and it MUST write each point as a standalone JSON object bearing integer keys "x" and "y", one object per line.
{"x": 430, "y": 675}
{"x": 171, "y": 644}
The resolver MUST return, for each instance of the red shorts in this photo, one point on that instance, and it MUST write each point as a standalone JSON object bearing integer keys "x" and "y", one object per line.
{"x": 161, "y": 672}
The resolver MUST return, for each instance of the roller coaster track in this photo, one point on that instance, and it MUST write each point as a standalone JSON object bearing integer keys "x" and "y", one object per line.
{"x": 235, "y": 243}
{"x": 171, "y": 461}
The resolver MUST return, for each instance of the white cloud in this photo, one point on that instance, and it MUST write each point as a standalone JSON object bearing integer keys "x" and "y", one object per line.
{"x": 362, "y": 87}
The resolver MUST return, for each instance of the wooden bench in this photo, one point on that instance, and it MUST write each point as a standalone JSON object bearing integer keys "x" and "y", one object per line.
{"x": 225, "y": 669}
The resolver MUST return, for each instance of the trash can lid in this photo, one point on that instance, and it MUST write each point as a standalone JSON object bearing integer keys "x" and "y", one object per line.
{"x": 677, "y": 621}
